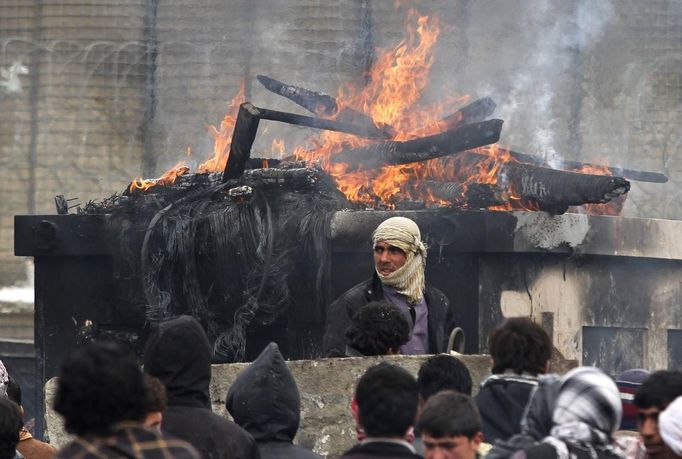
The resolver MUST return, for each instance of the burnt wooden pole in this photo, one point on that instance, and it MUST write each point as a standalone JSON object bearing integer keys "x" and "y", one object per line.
{"x": 422, "y": 149}
{"x": 243, "y": 137}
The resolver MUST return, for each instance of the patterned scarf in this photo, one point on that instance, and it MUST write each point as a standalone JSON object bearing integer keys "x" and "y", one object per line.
{"x": 587, "y": 413}
{"x": 409, "y": 279}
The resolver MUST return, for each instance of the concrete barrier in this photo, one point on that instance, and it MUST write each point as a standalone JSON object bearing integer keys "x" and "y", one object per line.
{"x": 326, "y": 388}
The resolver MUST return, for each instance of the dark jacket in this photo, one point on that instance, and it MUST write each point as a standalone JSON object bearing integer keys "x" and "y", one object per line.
{"x": 379, "y": 449}
{"x": 341, "y": 311}
{"x": 264, "y": 400}
{"x": 537, "y": 421}
{"x": 178, "y": 353}
{"x": 502, "y": 402}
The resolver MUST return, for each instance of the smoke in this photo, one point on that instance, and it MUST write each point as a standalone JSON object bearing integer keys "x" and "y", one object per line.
{"x": 556, "y": 35}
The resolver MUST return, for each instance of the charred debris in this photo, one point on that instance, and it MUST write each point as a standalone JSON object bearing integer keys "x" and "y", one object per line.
{"x": 250, "y": 248}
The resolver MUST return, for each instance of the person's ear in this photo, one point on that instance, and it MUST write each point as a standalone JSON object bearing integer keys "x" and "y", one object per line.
{"x": 21, "y": 411}
{"x": 477, "y": 439}
{"x": 356, "y": 412}
{"x": 392, "y": 351}
{"x": 547, "y": 367}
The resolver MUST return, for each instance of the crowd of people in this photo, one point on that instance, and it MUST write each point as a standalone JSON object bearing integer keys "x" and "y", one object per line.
{"x": 114, "y": 408}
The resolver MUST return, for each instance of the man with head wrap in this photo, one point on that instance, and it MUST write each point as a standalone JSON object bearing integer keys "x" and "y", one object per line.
{"x": 399, "y": 260}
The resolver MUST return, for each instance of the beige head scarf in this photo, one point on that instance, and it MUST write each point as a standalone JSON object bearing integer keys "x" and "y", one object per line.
{"x": 404, "y": 233}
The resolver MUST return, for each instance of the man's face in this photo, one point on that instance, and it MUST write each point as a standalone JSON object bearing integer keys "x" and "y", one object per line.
{"x": 647, "y": 422}
{"x": 388, "y": 258}
{"x": 454, "y": 447}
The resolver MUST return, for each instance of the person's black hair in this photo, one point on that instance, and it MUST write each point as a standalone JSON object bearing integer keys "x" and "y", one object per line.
{"x": 158, "y": 399}
{"x": 387, "y": 399}
{"x": 14, "y": 391}
{"x": 443, "y": 372}
{"x": 520, "y": 345}
{"x": 10, "y": 427}
{"x": 376, "y": 328}
{"x": 99, "y": 385}
{"x": 659, "y": 389}
{"x": 450, "y": 414}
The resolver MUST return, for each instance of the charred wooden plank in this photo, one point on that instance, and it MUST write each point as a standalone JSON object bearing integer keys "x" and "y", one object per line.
{"x": 316, "y": 102}
{"x": 371, "y": 132}
{"x": 294, "y": 179}
{"x": 476, "y": 111}
{"x": 473, "y": 195}
{"x": 243, "y": 137}
{"x": 323, "y": 105}
{"x": 556, "y": 190}
{"x": 632, "y": 174}
{"x": 422, "y": 149}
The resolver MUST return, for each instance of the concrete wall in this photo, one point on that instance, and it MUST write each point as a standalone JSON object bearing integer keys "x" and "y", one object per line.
{"x": 327, "y": 426}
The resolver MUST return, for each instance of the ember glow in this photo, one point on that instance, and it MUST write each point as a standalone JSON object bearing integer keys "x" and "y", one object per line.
{"x": 392, "y": 101}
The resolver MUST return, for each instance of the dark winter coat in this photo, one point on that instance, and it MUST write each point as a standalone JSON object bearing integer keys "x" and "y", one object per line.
{"x": 537, "y": 421}
{"x": 502, "y": 402}
{"x": 384, "y": 450}
{"x": 264, "y": 400}
{"x": 341, "y": 311}
{"x": 179, "y": 354}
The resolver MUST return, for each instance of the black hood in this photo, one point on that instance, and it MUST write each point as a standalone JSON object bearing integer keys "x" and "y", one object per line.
{"x": 178, "y": 353}
{"x": 264, "y": 399}
{"x": 502, "y": 402}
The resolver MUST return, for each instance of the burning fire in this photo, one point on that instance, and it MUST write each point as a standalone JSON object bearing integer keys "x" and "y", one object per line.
{"x": 167, "y": 178}
{"x": 392, "y": 98}
{"x": 612, "y": 207}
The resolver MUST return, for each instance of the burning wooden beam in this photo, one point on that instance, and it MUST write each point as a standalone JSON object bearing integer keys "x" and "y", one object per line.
{"x": 371, "y": 132}
{"x": 316, "y": 102}
{"x": 243, "y": 137}
{"x": 476, "y": 111}
{"x": 422, "y": 149}
{"x": 323, "y": 105}
{"x": 640, "y": 176}
{"x": 556, "y": 190}
{"x": 474, "y": 195}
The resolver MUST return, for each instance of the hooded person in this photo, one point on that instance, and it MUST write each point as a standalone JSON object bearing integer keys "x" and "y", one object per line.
{"x": 586, "y": 415}
{"x": 520, "y": 351}
{"x": 399, "y": 278}
{"x": 179, "y": 354}
{"x": 264, "y": 401}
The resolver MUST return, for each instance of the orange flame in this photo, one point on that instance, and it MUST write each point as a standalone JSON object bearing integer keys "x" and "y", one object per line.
{"x": 612, "y": 207}
{"x": 392, "y": 98}
{"x": 167, "y": 178}
{"x": 223, "y": 137}
{"x": 397, "y": 82}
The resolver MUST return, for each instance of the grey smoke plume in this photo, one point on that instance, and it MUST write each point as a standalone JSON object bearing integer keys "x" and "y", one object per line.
{"x": 556, "y": 34}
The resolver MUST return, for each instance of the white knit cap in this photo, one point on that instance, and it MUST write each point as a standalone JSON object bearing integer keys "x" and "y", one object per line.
{"x": 409, "y": 279}
{"x": 670, "y": 426}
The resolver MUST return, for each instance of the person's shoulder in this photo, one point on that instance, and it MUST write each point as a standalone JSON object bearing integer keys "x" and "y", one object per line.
{"x": 357, "y": 291}
{"x": 379, "y": 449}
{"x": 222, "y": 424}
{"x": 279, "y": 449}
{"x": 435, "y": 297}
